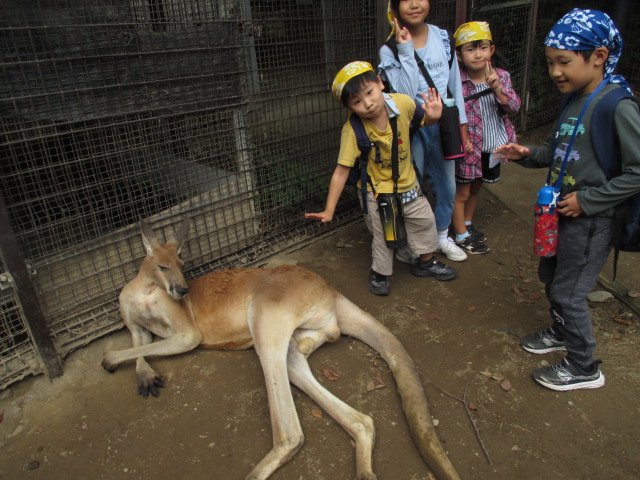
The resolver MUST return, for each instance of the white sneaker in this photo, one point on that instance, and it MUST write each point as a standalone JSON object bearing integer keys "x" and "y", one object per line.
{"x": 405, "y": 255}
{"x": 451, "y": 250}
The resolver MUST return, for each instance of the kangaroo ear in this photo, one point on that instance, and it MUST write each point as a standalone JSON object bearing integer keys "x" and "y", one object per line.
{"x": 180, "y": 236}
{"x": 149, "y": 239}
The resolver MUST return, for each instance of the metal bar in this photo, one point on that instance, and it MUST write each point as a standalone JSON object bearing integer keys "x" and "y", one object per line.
{"x": 17, "y": 268}
{"x": 533, "y": 21}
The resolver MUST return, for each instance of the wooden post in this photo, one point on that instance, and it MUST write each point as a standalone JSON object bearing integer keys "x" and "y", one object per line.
{"x": 462, "y": 12}
{"x": 17, "y": 268}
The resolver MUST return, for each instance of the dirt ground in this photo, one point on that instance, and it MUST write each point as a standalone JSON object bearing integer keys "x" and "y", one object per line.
{"x": 211, "y": 421}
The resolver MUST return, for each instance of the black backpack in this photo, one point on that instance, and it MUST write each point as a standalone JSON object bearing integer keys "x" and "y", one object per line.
{"x": 359, "y": 170}
{"x": 606, "y": 145}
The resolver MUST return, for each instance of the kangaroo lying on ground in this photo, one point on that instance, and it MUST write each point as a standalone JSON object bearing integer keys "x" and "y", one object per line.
{"x": 286, "y": 313}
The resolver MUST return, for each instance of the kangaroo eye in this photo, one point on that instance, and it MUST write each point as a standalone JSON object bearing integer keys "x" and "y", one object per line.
{"x": 163, "y": 268}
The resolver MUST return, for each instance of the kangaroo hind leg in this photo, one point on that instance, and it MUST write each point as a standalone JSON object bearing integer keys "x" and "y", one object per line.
{"x": 358, "y": 425}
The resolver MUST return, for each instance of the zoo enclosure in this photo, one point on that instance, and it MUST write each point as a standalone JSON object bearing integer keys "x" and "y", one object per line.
{"x": 220, "y": 111}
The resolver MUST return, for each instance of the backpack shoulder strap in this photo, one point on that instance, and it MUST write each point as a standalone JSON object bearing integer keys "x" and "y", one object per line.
{"x": 604, "y": 137}
{"x": 418, "y": 115}
{"x": 393, "y": 46}
{"x": 452, "y": 48}
{"x": 365, "y": 145}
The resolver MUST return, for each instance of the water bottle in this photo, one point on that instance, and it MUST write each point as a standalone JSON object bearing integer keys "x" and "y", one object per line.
{"x": 545, "y": 239}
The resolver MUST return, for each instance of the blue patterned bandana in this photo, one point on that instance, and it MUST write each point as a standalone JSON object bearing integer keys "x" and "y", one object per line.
{"x": 588, "y": 30}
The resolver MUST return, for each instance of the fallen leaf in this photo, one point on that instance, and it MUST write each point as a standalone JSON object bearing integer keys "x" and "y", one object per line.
{"x": 378, "y": 387}
{"x": 486, "y": 374}
{"x": 623, "y": 321}
{"x": 379, "y": 379}
{"x": 316, "y": 412}
{"x": 472, "y": 309}
{"x": 330, "y": 375}
{"x": 617, "y": 337}
{"x": 435, "y": 317}
{"x": 506, "y": 385}
{"x": 410, "y": 307}
{"x": 371, "y": 386}
{"x": 472, "y": 406}
{"x": 496, "y": 378}
{"x": 375, "y": 363}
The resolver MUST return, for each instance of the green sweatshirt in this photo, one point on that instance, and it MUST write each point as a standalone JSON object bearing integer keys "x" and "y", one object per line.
{"x": 597, "y": 195}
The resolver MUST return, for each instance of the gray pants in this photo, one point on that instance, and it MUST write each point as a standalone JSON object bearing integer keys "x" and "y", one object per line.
{"x": 584, "y": 244}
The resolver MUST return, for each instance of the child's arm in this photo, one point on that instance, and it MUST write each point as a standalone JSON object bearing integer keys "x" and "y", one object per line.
{"x": 336, "y": 185}
{"x": 403, "y": 76}
{"x": 500, "y": 82}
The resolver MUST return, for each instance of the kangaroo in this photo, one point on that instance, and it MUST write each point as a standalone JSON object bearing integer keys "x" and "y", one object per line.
{"x": 286, "y": 313}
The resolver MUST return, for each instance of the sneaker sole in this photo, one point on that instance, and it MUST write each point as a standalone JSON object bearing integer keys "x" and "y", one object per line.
{"x": 597, "y": 383}
{"x": 440, "y": 278}
{"x": 453, "y": 259}
{"x": 381, "y": 294}
{"x": 540, "y": 351}
{"x": 475, "y": 252}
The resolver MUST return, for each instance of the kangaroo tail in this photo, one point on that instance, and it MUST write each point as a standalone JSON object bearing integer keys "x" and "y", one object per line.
{"x": 357, "y": 323}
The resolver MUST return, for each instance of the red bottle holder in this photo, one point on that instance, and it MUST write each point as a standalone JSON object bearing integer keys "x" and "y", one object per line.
{"x": 545, "y": 239}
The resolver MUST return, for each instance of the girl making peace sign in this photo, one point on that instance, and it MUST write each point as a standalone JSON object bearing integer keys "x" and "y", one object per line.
{"x": 489, "y": 97}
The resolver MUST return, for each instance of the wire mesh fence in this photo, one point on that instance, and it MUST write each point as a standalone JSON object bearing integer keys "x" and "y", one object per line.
{"x": 219, "y": 111}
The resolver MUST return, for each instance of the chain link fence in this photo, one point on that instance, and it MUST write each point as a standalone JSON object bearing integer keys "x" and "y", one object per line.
{"x": 216, "y": 110}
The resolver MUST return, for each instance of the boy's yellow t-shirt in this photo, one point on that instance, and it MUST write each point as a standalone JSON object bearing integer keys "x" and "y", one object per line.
{"x": 380, "y": 173}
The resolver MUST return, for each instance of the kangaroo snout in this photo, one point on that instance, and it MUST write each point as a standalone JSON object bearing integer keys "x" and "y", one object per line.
{"x": 178, "y": 292}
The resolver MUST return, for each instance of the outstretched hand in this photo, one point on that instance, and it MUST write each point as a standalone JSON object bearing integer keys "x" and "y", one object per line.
{"x": 432, "y": 106}
{"x": 402, "y": 34}
{"x": 512, "y": 151}
{"x": 323, "y": 217}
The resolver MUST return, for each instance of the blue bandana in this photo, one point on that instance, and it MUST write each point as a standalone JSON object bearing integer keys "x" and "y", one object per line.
{"x": 588, "y": 30}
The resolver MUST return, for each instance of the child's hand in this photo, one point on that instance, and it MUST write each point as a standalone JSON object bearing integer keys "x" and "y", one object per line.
{"x": 492, "y": 78}
{"x": 432, "y": 106}
{"x": 512, "y": 151}
{"x": 324, "y": 217}
{"x": 569, "y": 205}
{"x": 402, "y": 34}
{"x": 468, "y": 146}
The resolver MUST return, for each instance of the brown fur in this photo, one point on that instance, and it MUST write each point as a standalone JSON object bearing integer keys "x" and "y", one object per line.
{"x": 286, "y": 313}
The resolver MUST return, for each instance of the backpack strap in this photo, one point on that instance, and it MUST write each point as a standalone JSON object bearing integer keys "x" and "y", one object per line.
{"x": 479, "y": 94}
{"x": 606, "y": 146}
{"x": 365, "y": 145}
{"x": 604, "y": 137}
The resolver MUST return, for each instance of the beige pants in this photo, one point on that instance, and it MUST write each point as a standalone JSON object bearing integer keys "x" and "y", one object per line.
{"x": 419, "y": 222}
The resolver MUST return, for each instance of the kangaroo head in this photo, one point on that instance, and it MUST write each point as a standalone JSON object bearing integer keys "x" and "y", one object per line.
{"x": 162, "y": 265}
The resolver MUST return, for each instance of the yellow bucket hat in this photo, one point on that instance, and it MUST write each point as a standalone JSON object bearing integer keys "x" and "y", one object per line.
{"x": 471, "y": 32}
{"x": 347, "y": 72}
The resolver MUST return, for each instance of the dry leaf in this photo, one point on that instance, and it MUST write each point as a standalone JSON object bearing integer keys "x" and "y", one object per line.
{"x": 379, "y": 379}
{"x": 472, "y": 309}
{"x": 316, "y": 412}
{"x": 410, "y": 307}
{"x": 486, "y": 374}
{"x": 375, "y": 363}
{"x": 371, "y": 387}
{"x": 378, "y": 387}
{"x": 496, "y": 378}
{"x": 506, "y": 385}
{"x": 435, "y": 317}
{"x": 617, "y": 337}
{"x": 472, "y": 406}
{"x": 330, "y": 375}
{"x": 623, "y": 321}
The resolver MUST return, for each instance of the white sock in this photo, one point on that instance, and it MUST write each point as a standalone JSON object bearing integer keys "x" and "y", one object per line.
{"x": 467, "y": 222}
{"x": 443, "y": 235}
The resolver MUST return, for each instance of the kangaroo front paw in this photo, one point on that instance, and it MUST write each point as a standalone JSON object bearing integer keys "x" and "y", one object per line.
{"x": 149, "y": 384}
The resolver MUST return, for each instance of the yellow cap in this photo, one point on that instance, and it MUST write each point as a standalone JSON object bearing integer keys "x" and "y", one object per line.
{"x": 347, "y": 72}
{"x": 471, "y": 32}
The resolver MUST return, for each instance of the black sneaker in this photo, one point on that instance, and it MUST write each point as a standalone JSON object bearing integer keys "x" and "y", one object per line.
{"x": 378, "y": 284}
{"x": 433, "y": 268}
{"x": 543, "y": 342}
{"x": 566, "y": 376}
{"x": 472, "y": 245}
{"x": 476, "y": 234}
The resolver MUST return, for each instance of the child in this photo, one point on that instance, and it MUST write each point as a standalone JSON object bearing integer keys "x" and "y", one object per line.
{"x": 360, "y": 90}
{"x": 582, "y": 49}
{"x": 487, "y": 124}
{"x": 432, "y": 45}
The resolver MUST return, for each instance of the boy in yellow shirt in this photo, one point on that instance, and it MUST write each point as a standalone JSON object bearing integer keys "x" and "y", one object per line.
{"x": 360, "y": 90}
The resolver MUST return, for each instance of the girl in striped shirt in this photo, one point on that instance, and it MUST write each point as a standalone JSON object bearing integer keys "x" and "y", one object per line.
{"x": 489, "y": 97}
